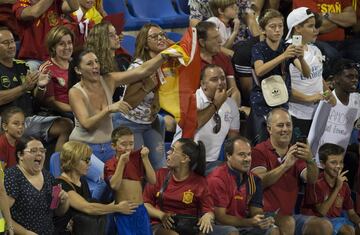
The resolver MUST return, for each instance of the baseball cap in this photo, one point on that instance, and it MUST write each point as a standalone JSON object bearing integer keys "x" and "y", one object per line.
{"x": 296, "y": 17}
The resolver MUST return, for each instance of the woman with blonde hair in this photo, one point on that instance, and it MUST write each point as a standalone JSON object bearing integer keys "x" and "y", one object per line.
{"x": 75, "y": 162}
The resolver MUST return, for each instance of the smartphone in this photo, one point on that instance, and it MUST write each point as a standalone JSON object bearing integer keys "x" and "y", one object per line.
{"x": 297, "y": 40}
{"x": 301, "y": 139}
{"x": 56, "y": 189}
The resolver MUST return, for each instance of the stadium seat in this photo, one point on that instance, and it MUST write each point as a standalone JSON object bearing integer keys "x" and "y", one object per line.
{"x": 160, "y": 12}
{"x": 131, "y": 22}
{"x": 183, "y": 6}
{"x": 174, "y": 36}
{"x": 128, "y": 44}
{"x": 55, "y": 167}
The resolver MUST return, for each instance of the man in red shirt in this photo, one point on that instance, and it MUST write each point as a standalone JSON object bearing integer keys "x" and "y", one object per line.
{"x": 336, "y": 16}
{"x": 237, "y": 193}
{"x": 281, "y": 165}
{"x": 330, "y": 196}
{"x": 36, "y": 18}
{"x": 210, "y": 46}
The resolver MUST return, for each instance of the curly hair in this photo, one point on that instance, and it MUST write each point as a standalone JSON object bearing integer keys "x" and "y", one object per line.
{"x": 98, "y": 42}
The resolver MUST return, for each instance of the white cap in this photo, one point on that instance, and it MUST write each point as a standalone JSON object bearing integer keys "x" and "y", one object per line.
{"x": 297, "y": 16}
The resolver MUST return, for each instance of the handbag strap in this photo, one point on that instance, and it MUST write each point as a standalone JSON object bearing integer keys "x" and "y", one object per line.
{"x": 67, "y": 181}
{"x": 163, "y": 188}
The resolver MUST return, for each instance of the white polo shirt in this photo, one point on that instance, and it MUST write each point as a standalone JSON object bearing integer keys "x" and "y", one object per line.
{"x": 230, "y": 120}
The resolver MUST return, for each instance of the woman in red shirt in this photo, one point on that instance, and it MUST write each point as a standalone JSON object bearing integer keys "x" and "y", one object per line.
{"x": 180, "y": 189}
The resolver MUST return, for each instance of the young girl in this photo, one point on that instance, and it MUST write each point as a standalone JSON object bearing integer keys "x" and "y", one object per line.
{"x": 270, "y": 57}
{"x": 306, "y": 91}
{"x": 12, "y": 123}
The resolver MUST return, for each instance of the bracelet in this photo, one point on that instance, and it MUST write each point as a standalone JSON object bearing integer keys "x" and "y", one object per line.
{"x": 41, "y": 88}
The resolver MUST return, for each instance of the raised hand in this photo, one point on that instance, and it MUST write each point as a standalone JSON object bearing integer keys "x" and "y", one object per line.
{"x": 144, "y": 151}
{"x": 290, "y": 52}
{"x": 341, "y": 178}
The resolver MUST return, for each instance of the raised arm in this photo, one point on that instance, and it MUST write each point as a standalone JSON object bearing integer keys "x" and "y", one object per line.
{"x": 116, "y": 79}
{"x": 69, "y": 6}
{"x": 262, "y": 68}
{"x": 36, "y": 10}
{"x": 149, "y": 171}
{"x": 271, "y": 177}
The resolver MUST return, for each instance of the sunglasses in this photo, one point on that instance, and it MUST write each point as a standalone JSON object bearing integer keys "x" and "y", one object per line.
{"x": 86, "y": 159}
{"x": 217, "y": 121}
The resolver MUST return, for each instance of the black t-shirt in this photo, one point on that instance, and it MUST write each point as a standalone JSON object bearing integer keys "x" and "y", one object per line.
{"x": 61, "y": 222}
{"x": 14, "y": 77}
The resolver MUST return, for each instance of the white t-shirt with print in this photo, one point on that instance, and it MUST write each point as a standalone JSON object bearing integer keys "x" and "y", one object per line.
{"x": 308, "y": 86}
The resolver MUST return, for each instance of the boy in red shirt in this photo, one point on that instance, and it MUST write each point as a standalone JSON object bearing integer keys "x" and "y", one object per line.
{"x": 331, "y": 195}
{"x": 126, "y": 172}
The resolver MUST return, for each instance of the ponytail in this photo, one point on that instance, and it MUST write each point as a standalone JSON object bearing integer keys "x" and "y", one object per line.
{"x": 196, "y": 153}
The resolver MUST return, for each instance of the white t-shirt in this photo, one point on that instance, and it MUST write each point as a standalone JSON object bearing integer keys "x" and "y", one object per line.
{"x": 230, "y": 120}
{"x": 309, "y": 86}
{"x": 340, "y": 122}
{"x": 225, "y": 32}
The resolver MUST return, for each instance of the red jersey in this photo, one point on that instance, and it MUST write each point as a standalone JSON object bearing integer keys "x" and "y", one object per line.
{"x": 320, "y": 192}
{"x": 322, "y": 6}
{"x": 284, "y": 192}
{"x": 34, "y": 31}
{"x": 58, "y": 84}
{"x": 223, "y": 61}
{"x": 134, "y": 168}
{"x": 235, "y": 196}
{"x": 7, "y": 152}
{"x": 189, "y": 197}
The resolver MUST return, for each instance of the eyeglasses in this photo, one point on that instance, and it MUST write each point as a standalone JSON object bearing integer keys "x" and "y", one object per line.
{"x": 86, "y": 159}
{"x": 217, "y": 120}
{"x": 157, "y": 36}
{"x": 8, "y": 42}
{"x": 173, "y": 150}
{"x": 34, "y": 151}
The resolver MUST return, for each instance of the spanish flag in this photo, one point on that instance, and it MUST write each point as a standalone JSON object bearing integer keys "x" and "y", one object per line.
{"x": 180, "y": 79}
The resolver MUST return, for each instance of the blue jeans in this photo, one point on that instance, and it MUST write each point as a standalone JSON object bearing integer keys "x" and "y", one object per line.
{"x": 146, "y": 134}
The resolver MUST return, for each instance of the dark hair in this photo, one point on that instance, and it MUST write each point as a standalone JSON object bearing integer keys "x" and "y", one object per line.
{"x": 119, "y": 132}
{"x": 77, "y": 57}
{"x": 328, "y": 149}
{"x": 206, "y": 67}
{"x": 196, "y": 153}
{"x": 318, "y": 20}
{"x": 21, "y": 144}
{"x": 8, "y": 113}
{"x": 203, "y": 27}
{"x": 267, "y": 16}
{"x": 342, "y": 64}
{"x": 229, "y": 144}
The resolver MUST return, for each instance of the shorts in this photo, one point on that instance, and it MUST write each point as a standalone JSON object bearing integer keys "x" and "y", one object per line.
{"x": 39, "y": 126}
{"x": 338, "y": 222}
{"x": 136, "y": 223}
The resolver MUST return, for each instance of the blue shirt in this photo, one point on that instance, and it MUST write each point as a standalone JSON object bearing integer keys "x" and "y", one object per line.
{"x": 261, "y": 51}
